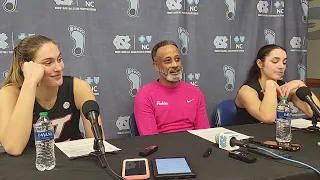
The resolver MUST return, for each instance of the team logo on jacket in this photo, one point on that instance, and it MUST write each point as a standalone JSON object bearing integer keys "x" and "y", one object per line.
{"x": 66, "y": 105}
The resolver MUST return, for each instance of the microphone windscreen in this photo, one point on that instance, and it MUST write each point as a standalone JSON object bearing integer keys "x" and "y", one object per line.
{"x": 302, "y": 92}
{"x": 89, "y": 106}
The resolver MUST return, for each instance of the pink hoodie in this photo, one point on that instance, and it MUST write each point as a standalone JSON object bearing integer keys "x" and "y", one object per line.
{"x": 161, "y": 109}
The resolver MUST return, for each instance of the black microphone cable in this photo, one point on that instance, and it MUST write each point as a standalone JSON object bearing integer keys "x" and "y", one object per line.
{"x": 114, "y": 173}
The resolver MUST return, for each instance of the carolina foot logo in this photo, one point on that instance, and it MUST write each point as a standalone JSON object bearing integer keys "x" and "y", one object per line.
{"x": 304, "y": 6}
{"x": 229, "y": 73}
{"x": 63, "y": 2}
{"x": 3, "y": 43}
{"x": 302, "y": 72}
{"x": 133, "y": 8}
{"x": 122, "y": 123}
{"x": 231, "y": 4}
{"x": 77, "y": 34}
{"x": 9, "y": 5}
{"x": 184, "y": 37}
{"x": 269, "y": 36}
{"x": 134, "y": 77}
{"x": 121, "y": 42}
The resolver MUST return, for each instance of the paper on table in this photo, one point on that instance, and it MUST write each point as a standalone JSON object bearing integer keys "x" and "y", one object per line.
{"x": 302, "y": 123}
{"x": 210, "y": 134}
{"x": 82, "y": 147}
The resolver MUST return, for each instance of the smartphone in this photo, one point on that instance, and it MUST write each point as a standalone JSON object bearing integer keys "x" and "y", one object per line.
{"x": 284, "y": 146}
{"x": 268, "y": 155}
{"x": 137, "y": 168}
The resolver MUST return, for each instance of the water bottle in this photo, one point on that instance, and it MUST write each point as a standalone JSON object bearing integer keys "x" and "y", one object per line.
{"x": 283, "y": 122}
{"x": 44, "y": 142}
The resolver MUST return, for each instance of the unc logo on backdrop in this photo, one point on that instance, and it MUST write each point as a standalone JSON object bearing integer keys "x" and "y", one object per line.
{"x": 122, "y": 42}
{"x": 75, "y": 5}
{"x": 133, "y": 44}
{"x": 134, "y": 76}
{"x": 8, "y": 41}
{"x": 298, "y": 44}
{"x": 5, "y": 43}
{"x": 133, "y": 8}
{"x": 189, "y": 7}
{"x": 122, "y": 124}
{"x": 77, "y": 34}
{"x": 270, "y": 8}
{"x": 9, "y": 6}
{"x": 231, "y": 11}
{"x": 193, "y": 78}
{"x": 230, "y": 75}
{"x": 184, "y": 39}
{"x": 93, "y": 82}
{"x": 233, "y": 44}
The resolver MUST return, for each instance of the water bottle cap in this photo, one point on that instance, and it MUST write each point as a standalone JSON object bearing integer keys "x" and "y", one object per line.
{"x": 284, "y": 98}
{"x": 43, "y": 113}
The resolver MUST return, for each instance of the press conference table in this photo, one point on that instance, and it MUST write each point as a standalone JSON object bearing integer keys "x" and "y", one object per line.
{"x": 216, "y": 166}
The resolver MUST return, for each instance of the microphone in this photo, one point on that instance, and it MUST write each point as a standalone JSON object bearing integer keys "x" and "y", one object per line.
{"x": 90, "y": 110}
{"x": 228, "y": 141}
{"x": 304, "y": 94}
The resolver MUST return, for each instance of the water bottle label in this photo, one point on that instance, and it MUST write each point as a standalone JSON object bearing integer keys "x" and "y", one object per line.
{"x": 44, "y": 135}
{"x": 284, "y": 115}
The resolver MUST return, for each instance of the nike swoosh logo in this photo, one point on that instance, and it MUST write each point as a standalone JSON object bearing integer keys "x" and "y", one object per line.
{"x": 188, "y": 101}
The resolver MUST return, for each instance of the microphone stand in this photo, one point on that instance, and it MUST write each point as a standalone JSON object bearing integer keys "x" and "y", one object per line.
{"x": 99, "y": 150}
{"x": 314, "y": 126}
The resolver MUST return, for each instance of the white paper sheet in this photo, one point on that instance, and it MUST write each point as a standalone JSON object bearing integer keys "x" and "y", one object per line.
{"x": 302, "y": 123}
{"x": 82, "y": 147}
{"x": 210, "y": 134}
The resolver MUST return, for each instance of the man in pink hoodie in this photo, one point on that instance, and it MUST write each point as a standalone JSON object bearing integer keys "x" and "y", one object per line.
{"x": 169, "y": 104}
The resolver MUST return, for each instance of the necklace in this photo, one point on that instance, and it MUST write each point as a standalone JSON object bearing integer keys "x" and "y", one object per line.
{"x": 47, "y": 104}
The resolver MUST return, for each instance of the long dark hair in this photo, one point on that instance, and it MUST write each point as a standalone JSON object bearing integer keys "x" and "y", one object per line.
{"x": 254, "y": 72}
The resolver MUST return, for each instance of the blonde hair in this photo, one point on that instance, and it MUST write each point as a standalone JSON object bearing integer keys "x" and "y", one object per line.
{"x": 24, "y": 52}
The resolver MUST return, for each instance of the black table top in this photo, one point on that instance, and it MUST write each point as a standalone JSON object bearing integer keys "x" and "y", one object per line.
{"x": 217, "y": 166}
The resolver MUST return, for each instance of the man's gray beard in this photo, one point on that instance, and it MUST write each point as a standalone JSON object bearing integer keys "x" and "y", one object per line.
{"x": 170, "y": 77}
